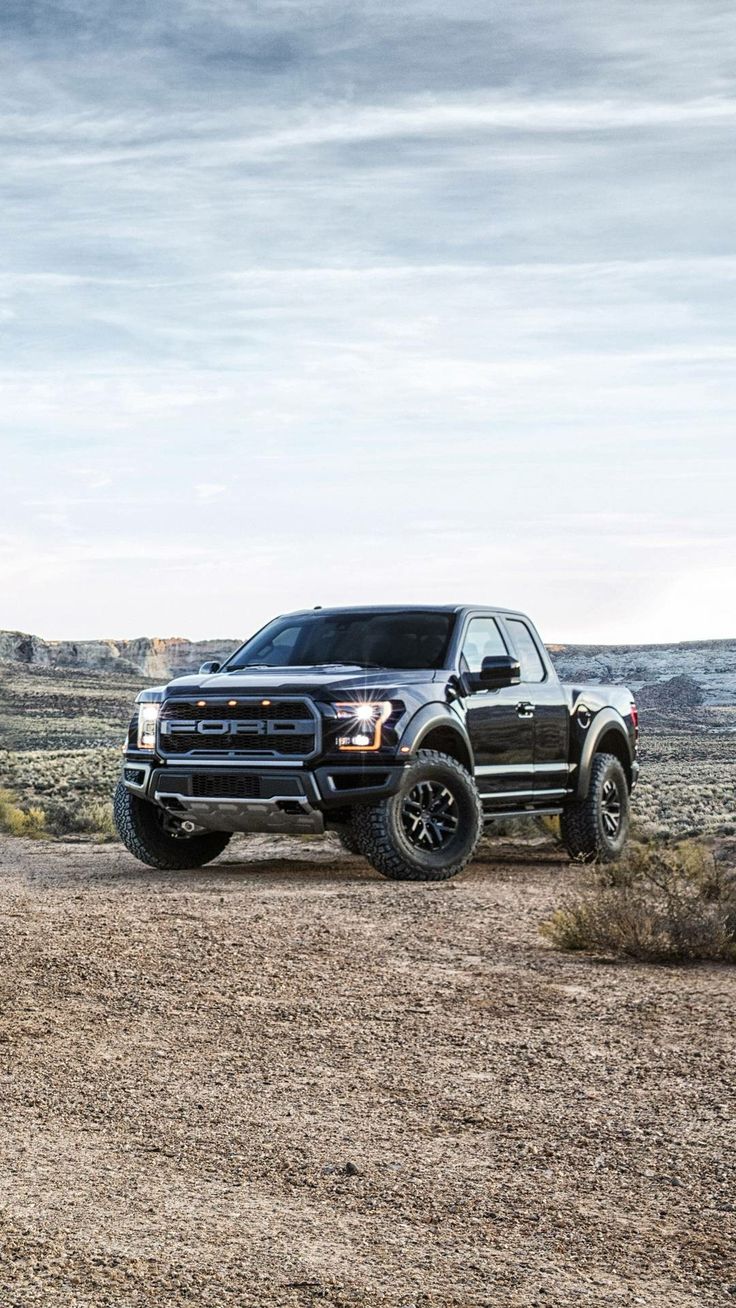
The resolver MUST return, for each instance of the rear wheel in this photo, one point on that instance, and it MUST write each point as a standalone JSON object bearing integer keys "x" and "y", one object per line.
{"x": 141, "y": 828}
{"x": 595, "y": 829}
{"x": 429, "y": 830}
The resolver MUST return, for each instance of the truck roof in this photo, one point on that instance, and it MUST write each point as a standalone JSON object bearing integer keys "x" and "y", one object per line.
{"x": 402, "y": 608}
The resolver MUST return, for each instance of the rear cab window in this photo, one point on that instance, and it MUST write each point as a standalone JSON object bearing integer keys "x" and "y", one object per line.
{"x": 532, "y": 666}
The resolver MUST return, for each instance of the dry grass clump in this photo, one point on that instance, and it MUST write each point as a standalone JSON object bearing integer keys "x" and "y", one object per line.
{"x": 93, "y": 818}
{"x": 661, "y": 904}
{"x": 17, "y": 821}
{"x": 88, "y": 818}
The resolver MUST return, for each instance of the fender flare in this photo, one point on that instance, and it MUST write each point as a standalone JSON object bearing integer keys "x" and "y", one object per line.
{"x": 607, "y": 720}
{"x": 427, "y": 719}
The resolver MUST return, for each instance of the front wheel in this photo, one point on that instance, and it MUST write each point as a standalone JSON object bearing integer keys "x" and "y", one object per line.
{"x": 429, "y": 830}
{"x": 595, "y": 829}
{"x": 140, "y": 826}
{"x": 348, "y": 839}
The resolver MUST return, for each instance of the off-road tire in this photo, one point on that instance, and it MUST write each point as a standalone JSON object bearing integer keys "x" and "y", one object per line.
{"x": 139, "y": 825}
{"x": 381, "y": 837}
{"x": 583, "y": 825}
{"x": 348, "y": 839}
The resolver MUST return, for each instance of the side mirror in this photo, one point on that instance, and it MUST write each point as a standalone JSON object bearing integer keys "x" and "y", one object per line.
{"x": 495, "y": 672}
{"x": 206, "y": 669}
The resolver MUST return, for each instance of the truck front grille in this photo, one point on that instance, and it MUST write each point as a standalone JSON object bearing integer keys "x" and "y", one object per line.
{"x": 248, "y": 728}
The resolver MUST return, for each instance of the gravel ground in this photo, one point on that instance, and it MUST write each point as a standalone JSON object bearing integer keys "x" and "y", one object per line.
{"x": 289, "y": 1082}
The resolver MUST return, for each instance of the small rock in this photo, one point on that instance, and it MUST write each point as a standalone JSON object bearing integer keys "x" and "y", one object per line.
{"x": 350, "y": 1169}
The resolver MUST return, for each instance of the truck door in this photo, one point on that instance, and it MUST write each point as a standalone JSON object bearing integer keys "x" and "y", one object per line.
{"x": 540, "y": 686}
{"x": 500, "y": 727}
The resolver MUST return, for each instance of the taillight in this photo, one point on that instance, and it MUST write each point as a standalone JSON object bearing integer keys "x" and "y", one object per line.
{"x": 635, "y": 719}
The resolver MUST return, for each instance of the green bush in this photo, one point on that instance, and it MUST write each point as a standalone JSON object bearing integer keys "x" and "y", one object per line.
{"x": 660, "y": 904}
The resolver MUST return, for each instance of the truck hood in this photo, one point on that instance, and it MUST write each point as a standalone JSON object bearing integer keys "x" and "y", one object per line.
{"x": 299, "y": 681}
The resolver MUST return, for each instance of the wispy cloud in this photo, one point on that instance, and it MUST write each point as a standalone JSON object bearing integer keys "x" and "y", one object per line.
{"x": 430, "y": 301}
{"x": 227, "y": 142}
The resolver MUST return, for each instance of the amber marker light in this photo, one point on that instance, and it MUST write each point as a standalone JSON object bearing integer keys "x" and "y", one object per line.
{"x": 201, "y": 703}
{"x": 232, "y": 703}
{"x": 265, "y": 703}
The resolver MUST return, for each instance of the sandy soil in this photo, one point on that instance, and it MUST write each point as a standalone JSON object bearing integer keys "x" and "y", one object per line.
{"x": 289, "y": 1082}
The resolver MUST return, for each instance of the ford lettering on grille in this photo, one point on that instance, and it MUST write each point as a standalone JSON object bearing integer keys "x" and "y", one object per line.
{"x": 235, "y": 727}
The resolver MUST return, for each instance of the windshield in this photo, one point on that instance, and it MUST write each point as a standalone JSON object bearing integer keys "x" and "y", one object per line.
{"x": 414, "y": 639}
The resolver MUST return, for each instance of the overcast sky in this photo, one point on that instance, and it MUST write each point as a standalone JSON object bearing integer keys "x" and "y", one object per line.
{"x": 311, "y": 302}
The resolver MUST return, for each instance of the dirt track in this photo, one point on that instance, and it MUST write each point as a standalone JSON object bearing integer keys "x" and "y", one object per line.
{"x": 292, "y": 1083}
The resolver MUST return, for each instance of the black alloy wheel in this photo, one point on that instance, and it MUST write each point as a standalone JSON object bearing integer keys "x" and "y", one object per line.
{"x": 611, "y": 808}
{"x": 429, "y": 815}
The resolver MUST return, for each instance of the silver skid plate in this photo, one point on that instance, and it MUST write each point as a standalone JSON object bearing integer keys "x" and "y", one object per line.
{"x": 263, "y": 815}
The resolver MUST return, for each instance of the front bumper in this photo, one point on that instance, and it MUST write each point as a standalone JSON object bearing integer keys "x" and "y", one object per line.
{"x": 252, "y": 799}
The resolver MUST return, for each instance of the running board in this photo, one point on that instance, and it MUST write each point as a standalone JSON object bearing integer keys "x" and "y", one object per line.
{"x": 489, "y": 815}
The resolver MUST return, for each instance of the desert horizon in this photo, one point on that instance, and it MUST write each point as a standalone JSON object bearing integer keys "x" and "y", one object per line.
{"x": 64, "y": 706}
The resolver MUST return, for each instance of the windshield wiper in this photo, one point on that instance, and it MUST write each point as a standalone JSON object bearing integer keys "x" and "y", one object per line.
{"x": 293, "y": 667}
{"x": 351, "y": 663}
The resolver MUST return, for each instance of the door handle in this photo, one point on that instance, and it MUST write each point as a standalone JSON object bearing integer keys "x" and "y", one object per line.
{"x": 525, "y": 709}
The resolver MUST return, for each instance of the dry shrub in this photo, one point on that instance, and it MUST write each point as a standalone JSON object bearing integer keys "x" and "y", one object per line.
{"x": 58, "y": 818}
{"x": 80, "y": 818}
{"x": 523, "y": 828}
{"x": 660, "y": 904}
{"x": 550, "y": 827}
{"x": 17, "y": 821}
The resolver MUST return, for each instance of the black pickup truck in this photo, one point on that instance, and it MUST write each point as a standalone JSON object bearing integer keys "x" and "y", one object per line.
{"x": 403, "y": 730}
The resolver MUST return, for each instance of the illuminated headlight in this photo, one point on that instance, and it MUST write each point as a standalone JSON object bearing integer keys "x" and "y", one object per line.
{"x": 363, "y": 722}
{"x": 147, "y": 719}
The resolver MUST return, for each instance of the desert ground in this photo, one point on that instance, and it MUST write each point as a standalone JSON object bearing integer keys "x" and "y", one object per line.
{"x": 284, "y": 1081}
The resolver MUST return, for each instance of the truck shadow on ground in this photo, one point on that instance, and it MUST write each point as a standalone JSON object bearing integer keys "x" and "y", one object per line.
{"x": 244, "y": 872}
{"x": 78, "y": 863}
{"x": 291, "y": 869}
{"x": 492, "y": 863}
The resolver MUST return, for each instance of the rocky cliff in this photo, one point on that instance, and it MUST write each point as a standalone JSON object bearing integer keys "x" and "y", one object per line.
{"x": 709, "y": 664}
{"x": 150, "y": 656}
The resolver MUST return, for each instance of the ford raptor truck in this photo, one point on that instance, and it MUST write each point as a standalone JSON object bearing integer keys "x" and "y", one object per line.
{"x": 404, "y": 730}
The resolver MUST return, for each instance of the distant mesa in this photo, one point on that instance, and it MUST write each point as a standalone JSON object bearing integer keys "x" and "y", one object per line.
{"x": 707, "y": 665}
{"x": 147, "y": 656}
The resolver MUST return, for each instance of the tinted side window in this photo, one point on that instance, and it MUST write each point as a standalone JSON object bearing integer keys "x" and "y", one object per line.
{"x": 482, "y": 640}
{"x": 532, "y": 667}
